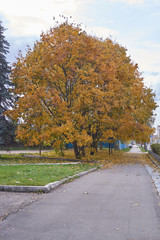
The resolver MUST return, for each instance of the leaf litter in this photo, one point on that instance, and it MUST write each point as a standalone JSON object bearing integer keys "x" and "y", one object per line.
{"x": 119, "y": 158}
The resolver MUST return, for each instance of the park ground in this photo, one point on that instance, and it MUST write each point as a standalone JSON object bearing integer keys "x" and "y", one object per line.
{"x": 118, "y": 202}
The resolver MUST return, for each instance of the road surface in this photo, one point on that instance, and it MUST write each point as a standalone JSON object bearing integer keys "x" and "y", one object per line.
{"x": 120, "y": 203}
{"x": 135, "y": 149}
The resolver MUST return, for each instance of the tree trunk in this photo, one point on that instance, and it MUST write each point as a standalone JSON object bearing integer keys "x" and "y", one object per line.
{"x": 40, "y": 149}
{"x": 116, "y": 146}
{"x": 62, "y": 153}
{"x": 76, "y": 150}
{"x": 82, "y": 151}
{"x": 101, "y": 145}
{"x": 93, "y": 147}
{"x": 66, "y": 146}
{"x": 145, "y": 146}
{"x": 109, "y": 149}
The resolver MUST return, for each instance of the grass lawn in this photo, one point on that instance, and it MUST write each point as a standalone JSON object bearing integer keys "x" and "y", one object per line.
{"x": 68, "y": 154}
{"x": 19, "y": 159}
{"x": 125, "y": 150}
{"x": 38, "y": 175}
{"x": 142, "y": 149}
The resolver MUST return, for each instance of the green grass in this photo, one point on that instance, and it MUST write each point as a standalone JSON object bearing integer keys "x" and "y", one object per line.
{"x": 19, "y": 159}
{"x": 38, "y": 175}
{"x": 125, "y": 150}
{"x": 142, "y": 149}
{"x": 20, "y": 148}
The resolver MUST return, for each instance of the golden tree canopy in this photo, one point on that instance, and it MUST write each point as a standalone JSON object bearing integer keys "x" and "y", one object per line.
{"x": 76, "y": 88}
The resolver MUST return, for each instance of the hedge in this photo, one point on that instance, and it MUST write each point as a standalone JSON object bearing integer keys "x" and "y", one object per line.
{"x": 156, "y": 148}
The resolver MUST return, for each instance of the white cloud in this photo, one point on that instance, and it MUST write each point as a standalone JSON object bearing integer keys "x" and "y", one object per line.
{"x": 145, "y": 53}
{"x": 148, "y": 60}
{"x": 147, "y": 56}
{"x": 101, "y": 32}
{"x": 32, "y": 16}
{"x": 152, "y": 81}
{"x": 149, "y": 63}
{"x": 157, "y": 112}
{"x": 26, "y": 26}
{"x": 131, "y": 2}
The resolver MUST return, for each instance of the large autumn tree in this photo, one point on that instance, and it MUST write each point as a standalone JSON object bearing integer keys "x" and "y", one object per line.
{"x": 76, "y": 88}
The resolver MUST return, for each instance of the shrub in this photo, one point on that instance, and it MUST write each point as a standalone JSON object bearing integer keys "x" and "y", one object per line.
{"x": 156, "y": 148}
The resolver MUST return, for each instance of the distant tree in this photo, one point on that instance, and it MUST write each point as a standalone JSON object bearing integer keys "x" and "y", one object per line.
{"x": 6, "y": 126}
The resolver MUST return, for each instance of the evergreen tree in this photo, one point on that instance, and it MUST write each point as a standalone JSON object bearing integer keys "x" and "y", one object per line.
{"x": 6, "y": 100}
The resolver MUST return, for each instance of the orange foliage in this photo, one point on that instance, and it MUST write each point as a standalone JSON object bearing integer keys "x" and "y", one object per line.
{"x": 76, "y": 88}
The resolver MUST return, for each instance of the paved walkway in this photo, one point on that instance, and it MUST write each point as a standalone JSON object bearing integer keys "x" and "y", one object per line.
{"x": 135, "y": 149}
{"x": 10, "y": 202}
{"x": 114, "y": 204}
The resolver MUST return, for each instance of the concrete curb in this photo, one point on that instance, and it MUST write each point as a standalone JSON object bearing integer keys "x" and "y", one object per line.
{"x": 24, "y": 164}
{"x": 153, "y": 160}
{"x": 155, "y": 156}
{"x": 155, "y": 177}
{"x": 46, "y": 188}
{"x": 59, "y": 159}
{"x": 154, "y": 174}
{"x": 54, "y": 158}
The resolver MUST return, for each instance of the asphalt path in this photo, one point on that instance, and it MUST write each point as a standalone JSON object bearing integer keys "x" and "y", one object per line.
{"x": 120, "y": 203}
{"x": 135, "y": 149}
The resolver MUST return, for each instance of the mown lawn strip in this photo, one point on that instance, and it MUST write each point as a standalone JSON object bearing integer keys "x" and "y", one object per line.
{"x": 38, "y": 175}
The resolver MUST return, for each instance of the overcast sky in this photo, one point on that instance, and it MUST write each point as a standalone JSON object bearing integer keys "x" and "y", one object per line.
{"x": 135, "y": 24}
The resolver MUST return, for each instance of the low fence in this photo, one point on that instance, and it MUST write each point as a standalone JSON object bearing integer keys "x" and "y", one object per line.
{"x": 157, "y": 157}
